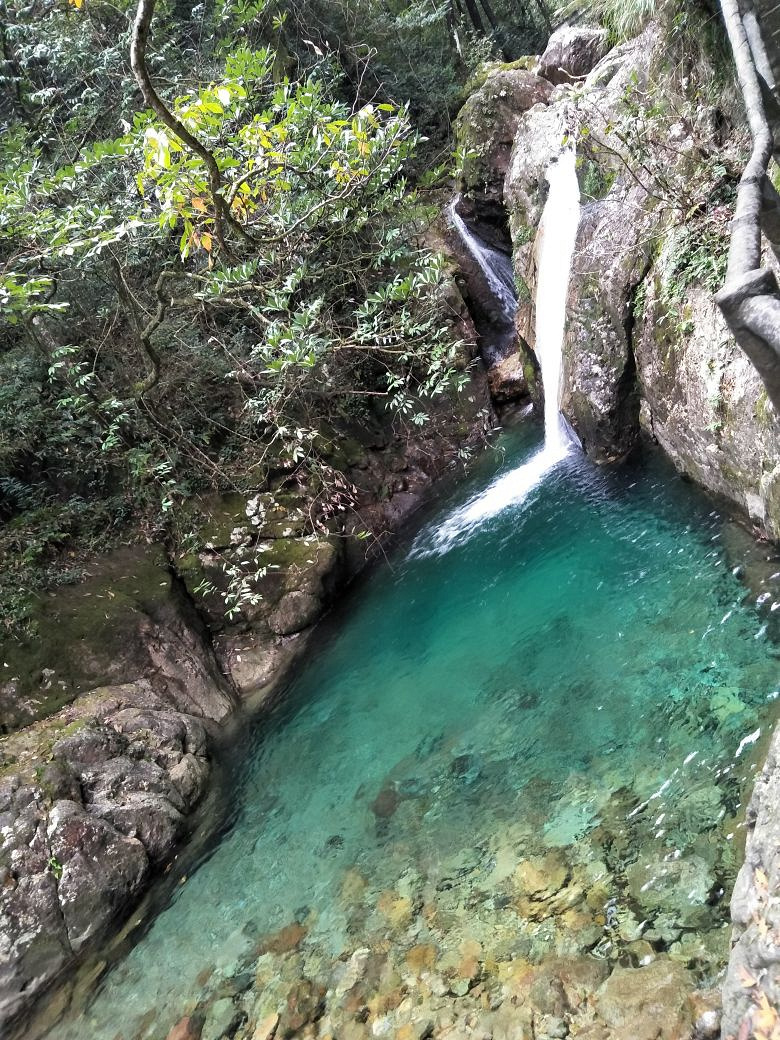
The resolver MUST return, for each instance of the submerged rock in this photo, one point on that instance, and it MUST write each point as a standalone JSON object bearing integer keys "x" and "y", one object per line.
{"x": 650, "y": 1003}
{"x": 680, "y": 886}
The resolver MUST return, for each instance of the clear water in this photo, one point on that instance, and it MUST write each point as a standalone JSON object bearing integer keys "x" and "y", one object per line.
{"x": 580, "y": 678}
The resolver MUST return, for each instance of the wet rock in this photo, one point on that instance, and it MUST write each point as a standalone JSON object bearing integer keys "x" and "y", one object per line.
{"x": 398, "y": 910}
{"x": 386, "y": 803}
{"x": 421, "y": 958}
{"x": 284, "y": 941}
{"x": 550, "y": 1027}
{"x": 185, "y": 1029}
{"x": 507, "y": 380}
{"x": 305, "y": 1003}
{"x": 222, "y": 1020}
{"x": 540, "y": 883}
{"x": 100, "y": 870}
{"x": 266, "y": 1029}
{"x": 347, "y": 975}
{"x": 649, "y": 1003}
{"x": 662, "y": 882}
{"x": 189, "y": 777}
{"x": 572, "y": 52}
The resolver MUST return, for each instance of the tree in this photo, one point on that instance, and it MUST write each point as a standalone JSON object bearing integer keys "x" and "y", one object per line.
{"x": 750, "y": 298}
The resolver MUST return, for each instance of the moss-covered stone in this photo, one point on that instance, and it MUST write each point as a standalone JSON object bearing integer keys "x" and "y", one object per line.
{"x": 82, "y": 635}
{"x": 487, "y": 123}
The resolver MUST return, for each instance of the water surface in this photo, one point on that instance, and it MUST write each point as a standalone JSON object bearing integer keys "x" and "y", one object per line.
{"x": 575, "y": 681}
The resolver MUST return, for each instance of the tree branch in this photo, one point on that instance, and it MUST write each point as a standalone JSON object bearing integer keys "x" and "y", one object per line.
{"x": 138, "y": 45}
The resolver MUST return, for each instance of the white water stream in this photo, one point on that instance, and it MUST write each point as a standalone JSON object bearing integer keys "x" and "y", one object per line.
{"x": 494, "y": 265}
{"x": 554, "y": 250}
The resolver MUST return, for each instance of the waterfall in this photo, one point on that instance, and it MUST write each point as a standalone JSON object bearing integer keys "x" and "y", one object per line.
{"x": 554, "y": 250}
{"x": 494, "y": 265}
{"x": 555, "y": 242}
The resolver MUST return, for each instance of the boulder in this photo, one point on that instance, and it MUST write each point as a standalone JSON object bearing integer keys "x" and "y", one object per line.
{"x": 599, "y": 394}
{"x": 34, "y": 944}
{"x": 649, "y": 1003}
{"x": 507, "y": 380}
{"x": 99, "y": 869}
{"x": 486, "y": 127}
{"x": 572, "y": 52}
{"x": 703, "y": 401}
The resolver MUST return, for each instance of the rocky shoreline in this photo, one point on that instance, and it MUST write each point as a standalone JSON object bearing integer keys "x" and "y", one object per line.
{"x": 111, "y": 715}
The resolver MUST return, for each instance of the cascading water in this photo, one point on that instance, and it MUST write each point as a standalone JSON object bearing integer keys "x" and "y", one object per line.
{"x": 555, "y": 247}
{"x": 554, "y": 251}
{"x": 495, "y": 266}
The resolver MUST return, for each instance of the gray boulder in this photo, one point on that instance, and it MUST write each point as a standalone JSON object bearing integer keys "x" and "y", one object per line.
{"x": 99, "y": 871}
{"x": 572, "y": 52}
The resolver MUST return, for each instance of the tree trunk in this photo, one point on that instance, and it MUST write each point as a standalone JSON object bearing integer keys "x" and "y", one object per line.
{"x": 474, "y": 15}
{"x": 495, "y": 25}
{"x": 750, "y": 298}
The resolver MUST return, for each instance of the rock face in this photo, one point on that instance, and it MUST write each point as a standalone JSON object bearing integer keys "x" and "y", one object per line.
{"x": 93, "y": 796}
{"x": 704, "y": 402}
{"x": 572, "y": 51}
{"x": 79, "y": 839}
{"x": 751, "y": 992}
{"x": 486, "y": 128}
{"x": 611, "y": 257}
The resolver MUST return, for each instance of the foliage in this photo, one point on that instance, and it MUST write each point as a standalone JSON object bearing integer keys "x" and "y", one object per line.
{"x": 162, "y": 336}
{"x": 694, "y": 27}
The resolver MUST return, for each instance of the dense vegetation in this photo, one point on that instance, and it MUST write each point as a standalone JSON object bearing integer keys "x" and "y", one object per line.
{"x": 211, "y": 257}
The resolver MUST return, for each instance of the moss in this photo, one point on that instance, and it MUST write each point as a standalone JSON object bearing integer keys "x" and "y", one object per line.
{"x": 595, "y": 180}
{"x": 478, "y": 79}
{"x": 84, "y": 631}
{"x": 762, "y": 410}
{"x": 522, "y": 234}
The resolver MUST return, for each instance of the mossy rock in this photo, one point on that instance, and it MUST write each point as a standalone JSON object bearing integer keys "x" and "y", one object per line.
{"x": 86, "y": 635}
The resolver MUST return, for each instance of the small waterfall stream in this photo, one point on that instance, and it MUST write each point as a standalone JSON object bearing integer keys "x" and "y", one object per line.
{"x": 494, "y": 265}
{"x": 555, "y": 248}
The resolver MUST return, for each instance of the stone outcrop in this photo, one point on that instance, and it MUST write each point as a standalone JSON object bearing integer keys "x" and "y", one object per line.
{"x": 611, "y": 257}
{"x": 751, "y": 993}
{"x": 90, "y": 801}
{"x": 704, "y": 403}
{"x": 486, "y": 128}
{"x": 95, "y": 794}
{"x": 572, "y": 52}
